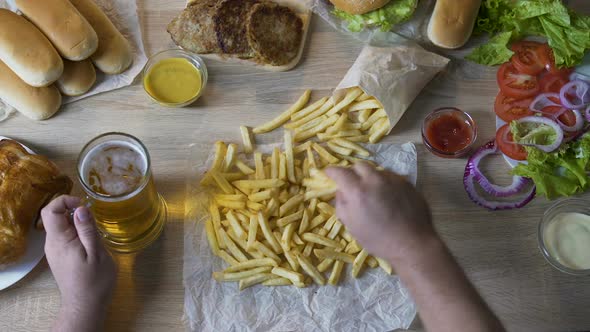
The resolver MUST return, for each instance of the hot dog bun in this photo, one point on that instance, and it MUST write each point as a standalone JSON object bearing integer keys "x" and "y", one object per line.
{"x": 35, "y": 103}
{"x": 66, "y": 28}
{"x": 27, "y": 52}
{"x": 452, "y": 22}
{"x": 77, "y": 79}
{"x": 355, "y": 7}
{"x": 114, "y": 54}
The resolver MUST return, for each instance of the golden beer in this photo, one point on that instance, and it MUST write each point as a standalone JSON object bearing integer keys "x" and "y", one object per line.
{"x": 114, "y": 170}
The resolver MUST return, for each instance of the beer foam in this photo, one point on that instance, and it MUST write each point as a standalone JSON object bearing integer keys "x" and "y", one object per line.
{"x": 114, "y": 168}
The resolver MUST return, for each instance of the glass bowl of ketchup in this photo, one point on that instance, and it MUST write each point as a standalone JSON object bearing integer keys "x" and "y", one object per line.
{"x": 449, "y": 132}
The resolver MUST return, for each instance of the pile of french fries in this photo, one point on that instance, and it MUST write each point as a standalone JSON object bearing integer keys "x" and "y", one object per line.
{"x": 273, "y": 223}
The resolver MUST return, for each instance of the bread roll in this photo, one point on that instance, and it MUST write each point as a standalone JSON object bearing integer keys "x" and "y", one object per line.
{"x": 78, "y": 78}
{"x": 65, "y": 27}
{"x": 27, "y": 51}
{"x": 355, "y": 7}
{"x": 35, "y": 103}
{"x": 452, "y": 22}
{"x": 114, "y": 54}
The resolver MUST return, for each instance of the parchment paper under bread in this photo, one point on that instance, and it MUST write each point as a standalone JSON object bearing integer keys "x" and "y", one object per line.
{"x": 373, "y": 302}
{"x": 123, "y": 14}
{"x": 394, "y": 70}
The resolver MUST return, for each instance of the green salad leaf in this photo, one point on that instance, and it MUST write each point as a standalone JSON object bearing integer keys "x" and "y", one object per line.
{"x": 493, "y": 53}
{"x": 532, "y": 133}
{"x": 560, "y": 173}
{"x": 395, "y": 12}
{"x": 567, "y": 32}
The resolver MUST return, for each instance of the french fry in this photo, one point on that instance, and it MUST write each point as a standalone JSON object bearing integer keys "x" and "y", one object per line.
{"x": 353, "y": 146}
{"x": 246, "y": 139}
{"x": 321, "y": 240}
{"x": 267, "y": 232}
{"x": 333, "y": 254}
{"x": 336, "y": 272}
{"x": 330, "y": 222}
{"x": 252, "y": 232}
{"x": 378, "y": 114}
{"x": 235, "y": 225}
{"x": 364, "y": 105}
{"x": 222, "y": 183}
{"x": 230, "y": 157}
{"x": 325, "y": 265}
{"x": 287, "y": 235}
{"x": 290, "y": 219}
{"x": 220, "y": 150}
{"x": 359, "y": 138}
{"x": 260, "y": 196}
{"x": 324, "y": 153}
{"x": 382, "y": 127}
{"x": 303, "y": 135}
{"x": 372, "y": 262}
{"x": 243, "y": 245}
{"x": 267, "y": 252}
{"x": 385, "y": 265}
{"x": 310, "y": 124}
{"x": 211, "y": 237}
{"x": 339, "y": 149}
{"x": 339, "y": 124}
{"x": 335, "y": 230}
{"x": 359, "y": 260}
{"x": 254, "y": 280}
{"x": 294, "y": 277}
{"x": 304, "y": 224}
{"x": 259, "y": 184}
{"x": 285, "y": 116}
{"x": 232, "y": 247}
{"x": 315, "y": 222}
{"x": 272, "y": 207}
{"x": 326, "y": 208}
{"x": 315, "y": 114}
{"x": 237, "y": 205}
{"x": 228, "y": 258}
{"x": 364, "y": 115}
{"x": 216, "y": 220}
{"x": 250, "y": 264}
{"x": 290, "y": 204}
{"x": 278, "y": 281}
{"x": 310, "y": 269}
{"x": 259, "y": 166}
{"x": 237, "y": 276}
{"x": 232, "y": 197}
{"x": 320, "y": 193}
{"x": 274, "y": 163}
{"x": 282, "y": 167}
{"x": 309, "y": 109}
{"x": 351, "y": 95}
{"x": 255, "y": 206}
{"x": 363, "y": 97}
{"x": 352, "y": 247}
{"x": 290, "y": 156}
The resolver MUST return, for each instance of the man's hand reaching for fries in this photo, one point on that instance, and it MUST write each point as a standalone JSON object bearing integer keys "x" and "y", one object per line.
{"x": 381, "y": 210}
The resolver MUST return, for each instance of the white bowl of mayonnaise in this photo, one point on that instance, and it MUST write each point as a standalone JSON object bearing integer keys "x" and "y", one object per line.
{"x": 564, "y": 236}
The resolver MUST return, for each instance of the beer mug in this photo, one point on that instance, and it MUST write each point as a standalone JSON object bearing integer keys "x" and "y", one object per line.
{"x": 114, "y": 170}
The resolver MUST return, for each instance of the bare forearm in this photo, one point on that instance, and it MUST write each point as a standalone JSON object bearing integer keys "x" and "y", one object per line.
{"x": 446, "y": 299}
{"x": 79, "y": 320}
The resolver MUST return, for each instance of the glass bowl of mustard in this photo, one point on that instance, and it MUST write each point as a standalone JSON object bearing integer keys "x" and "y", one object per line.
{"x": 564, "y": 236}
{"x": 175, "y": 78}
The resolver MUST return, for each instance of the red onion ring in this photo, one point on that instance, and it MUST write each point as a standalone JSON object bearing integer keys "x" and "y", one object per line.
{"x": 473, "y": 174}
{"x": 579, "y": 77}
{"x": 587, "y": 113}
{"x": 551, "y": 123}
{"x": 576, "y": 127}
{"x": 542, "y": 101}
{"x": 574, "y": 88}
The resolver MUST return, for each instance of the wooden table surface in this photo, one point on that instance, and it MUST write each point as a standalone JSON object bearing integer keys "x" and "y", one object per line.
{"x": 498, "y": 250}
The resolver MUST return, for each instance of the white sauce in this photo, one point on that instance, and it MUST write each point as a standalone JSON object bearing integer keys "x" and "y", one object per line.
{"x": 567, "y": 239}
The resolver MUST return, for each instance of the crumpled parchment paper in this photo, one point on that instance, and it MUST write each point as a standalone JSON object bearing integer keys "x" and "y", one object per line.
{"x": 123, "y": 13}
{"x": 394, "y": 74}
{"x": 414, "y": 29}
{"x": 374, "y": 302}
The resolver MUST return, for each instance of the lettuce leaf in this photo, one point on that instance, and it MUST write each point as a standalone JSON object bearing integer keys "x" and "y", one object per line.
{"x": 495, "y": 52}
{"x": 395, "y": 12}
{"x": 567, "y": 32}
{"x": 532, "y": 133}
{"x": 560, "y": 173}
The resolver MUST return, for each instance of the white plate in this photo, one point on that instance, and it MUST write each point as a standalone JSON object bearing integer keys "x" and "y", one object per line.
{"x": 33, "y": 255}
{"x": 513, "y": 163}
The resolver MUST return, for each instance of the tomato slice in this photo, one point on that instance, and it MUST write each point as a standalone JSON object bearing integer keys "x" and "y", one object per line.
{"x": 528, "y": 57}
{"x": 506, "y": 144}
{"x": 568, "y": 118}
{"x": 515, "y": 84}
{"x": 552, "y": 82}
{"x": 549, "y": 61}
{"x": 510, "y": 109}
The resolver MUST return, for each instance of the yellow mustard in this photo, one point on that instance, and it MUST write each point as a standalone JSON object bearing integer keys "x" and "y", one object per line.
{"x": 173, "y": 81}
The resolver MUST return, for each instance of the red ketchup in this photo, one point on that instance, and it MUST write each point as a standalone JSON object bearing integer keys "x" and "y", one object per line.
{"x": 449, "y": 132}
